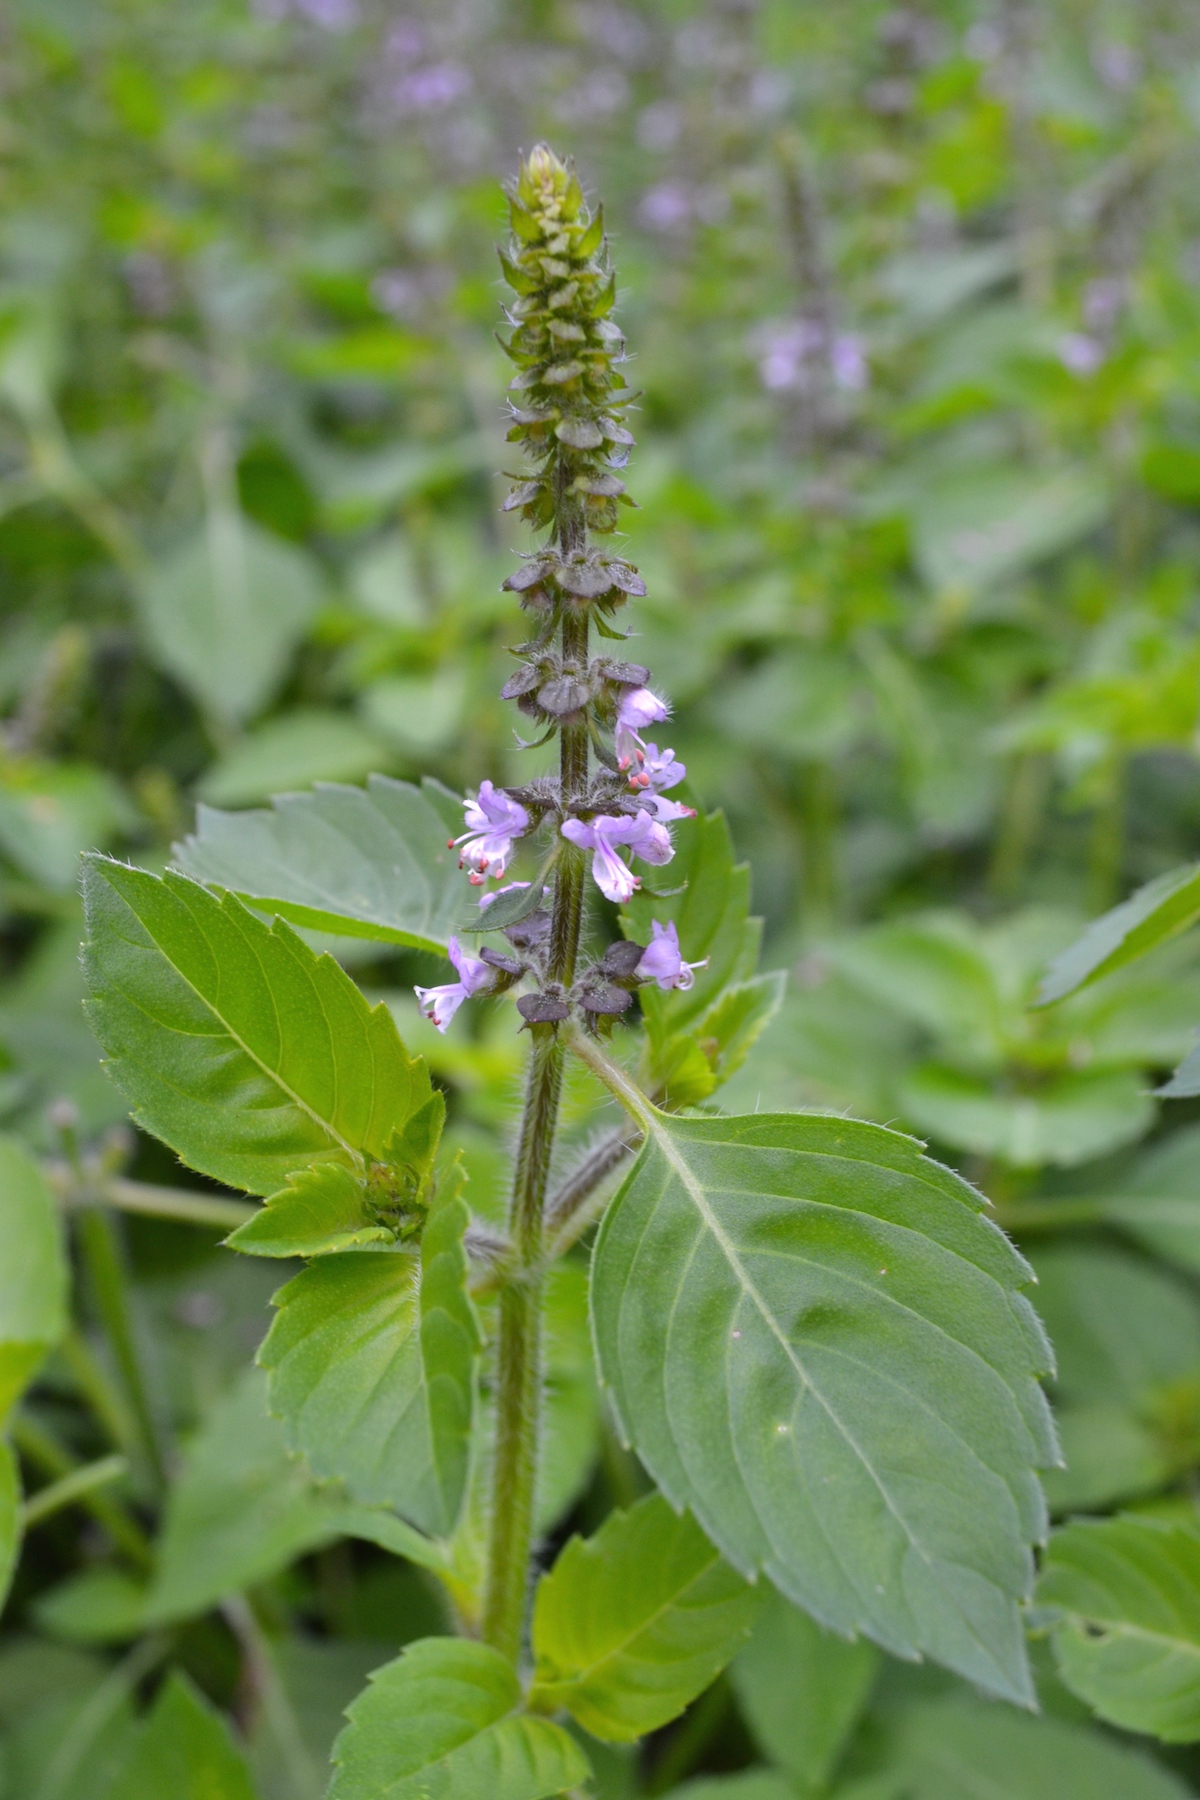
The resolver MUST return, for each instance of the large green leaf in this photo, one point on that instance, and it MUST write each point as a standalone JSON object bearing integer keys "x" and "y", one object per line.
{"x": 224, "y": 612}
{"x": 570, "y": 1432}
{"x": 186, "y": 1751}
{"x": 802, "y": 1690}
{"x": 1158, "y": 911}
{"x": 442, "y": 1722}
{"x": 242, "y": 1508}
{"x": 33, "y": 1271}
{"x": 1125, "y": 1595}
{"x": 630, "y": 1625}
{"x": 249, "y": 1054}
{"x": 1127, "y": 1339}
{"x": 10, "y": 1518}
{"x": 816, "y": 1341}
{"x": 371, "y": 862}
{"x": 371, "y": 1360}
{"x": 965, "y": 1750}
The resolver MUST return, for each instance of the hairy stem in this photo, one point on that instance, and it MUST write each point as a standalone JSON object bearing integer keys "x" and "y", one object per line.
{"x": 519, "y": 1356}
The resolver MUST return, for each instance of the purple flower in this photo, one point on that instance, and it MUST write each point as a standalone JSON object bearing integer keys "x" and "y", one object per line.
{"x": 848, "y": 361}
{"x": 605, "y": 834}
{"x": 1080, "y": 354}
{"x": 658, "y": 770}
{"x": 637, "y": 708}
{"x": 441, "y": 1003}
{"x": 663, "y": 962}
{"x": 493, "y": 821}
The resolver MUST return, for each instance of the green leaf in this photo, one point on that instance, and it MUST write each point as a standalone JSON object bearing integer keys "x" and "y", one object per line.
{"x": 303, "y": 746}
{"x": 712, "y": 915}
{"x": 224, "y": 612}
{"x": 752, "y": 1784}
{"x": 442, "y": 1722}
{"x": 247, "y": 1053}
{"x": 33, "y": 1272}
{"x": 1158, "y": 911}
{"x": 1125, "y": 1597}
{"x": 242, "y": 1508}
{"x": 631, "y": 1624}
{"x": 96, "y": 1606}
{"x": 1061, "y": 1120}
{"x": 1158, "y": 1202}
{"x": 1127, "y": 1339}
{"x": 371, "y": 1360}
{"x": 687, "y": 1068}
{"x": 570, "y": 1436}
{"x": 802, "y": 1690}
{"x": 321, "y": 1210}
{"x": 51, "y": 812}
{"x": 10, "y": 1518}
{"x": 185, "y": 1750}
{"x": 958, "y": 1749}
{"x": 370, "y": 863}
{"x": 988, "y": 524}
{"x": 800, "y": 1319}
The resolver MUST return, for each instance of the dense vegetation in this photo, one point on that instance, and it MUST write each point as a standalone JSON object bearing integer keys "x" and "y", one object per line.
{"x": 913, "y": 299}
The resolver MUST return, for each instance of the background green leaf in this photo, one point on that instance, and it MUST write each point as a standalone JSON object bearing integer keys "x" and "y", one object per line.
{"x": 370, "y": 863}
{"x": 246, "y": 1052}
{"x": 631, "y": 1624}
{"x": 802, "y": 1690}
{"x": 1158, "y": 911}
{"x": 798, "y": 1319}
{"x": 442, "y": 1721}
{"x": 185, "y": 1750}
{"x": 1125, "y": 1594}
{"x": 33, "y": 1271}
{"x": 224, "y": 612}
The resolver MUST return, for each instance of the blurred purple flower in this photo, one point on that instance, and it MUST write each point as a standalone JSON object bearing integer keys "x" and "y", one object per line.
{"x": 848, "y": 362}
{"x": 433, "y": 88}
{"x": 667, "y": 207}
{"x": 1080, "y": 354}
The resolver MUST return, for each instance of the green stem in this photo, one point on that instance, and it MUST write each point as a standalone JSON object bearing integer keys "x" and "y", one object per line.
{"x": 43, "y": 1451}
{"x": 68, "y": 1488}
{"x": 1050, "y": 1215}
{"x": 106, "y": 1400}
{"x": 102, "y": 1254}
{"x": 176, "y": 1203}
{"x": 519, "y": 1351}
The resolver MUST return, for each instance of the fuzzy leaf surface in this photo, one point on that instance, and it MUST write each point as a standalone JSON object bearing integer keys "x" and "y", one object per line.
{"x": 371, "y": 863}
{"x": 631, "y": 1624}
{"x": 1158, "y": 911}
{"x": 801, "y": 1690}
{"x": 184, "y": 1750}
{"x": 33, "y": 1271}
{"x": 236, "y": 1044}
{"x": 441, "y": 1722}
{"x": 372, "y": 1360}
{"x": 1126, "y": 1594}
{"x": 817, "y": 1342}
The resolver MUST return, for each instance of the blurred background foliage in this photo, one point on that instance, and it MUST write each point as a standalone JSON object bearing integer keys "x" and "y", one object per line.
{"x": 914, "y": 299}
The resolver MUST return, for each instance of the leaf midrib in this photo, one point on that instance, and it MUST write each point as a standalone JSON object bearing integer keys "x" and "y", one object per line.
{"x": 589, "y": 1670}
{"x": 272, "y": 1075}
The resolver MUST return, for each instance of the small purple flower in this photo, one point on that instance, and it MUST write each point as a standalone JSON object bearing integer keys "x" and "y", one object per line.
{"x": 607, "y": 833}
{"x": 493, "y": 820}
{"x": 658, "y": 770}
{"x": 848, "y": 362}
{"x": 637, "y": 708}
{"x": 441, "y": 1003}
{"x": 663, "y": 962}
{"x": 667, "y": 812}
